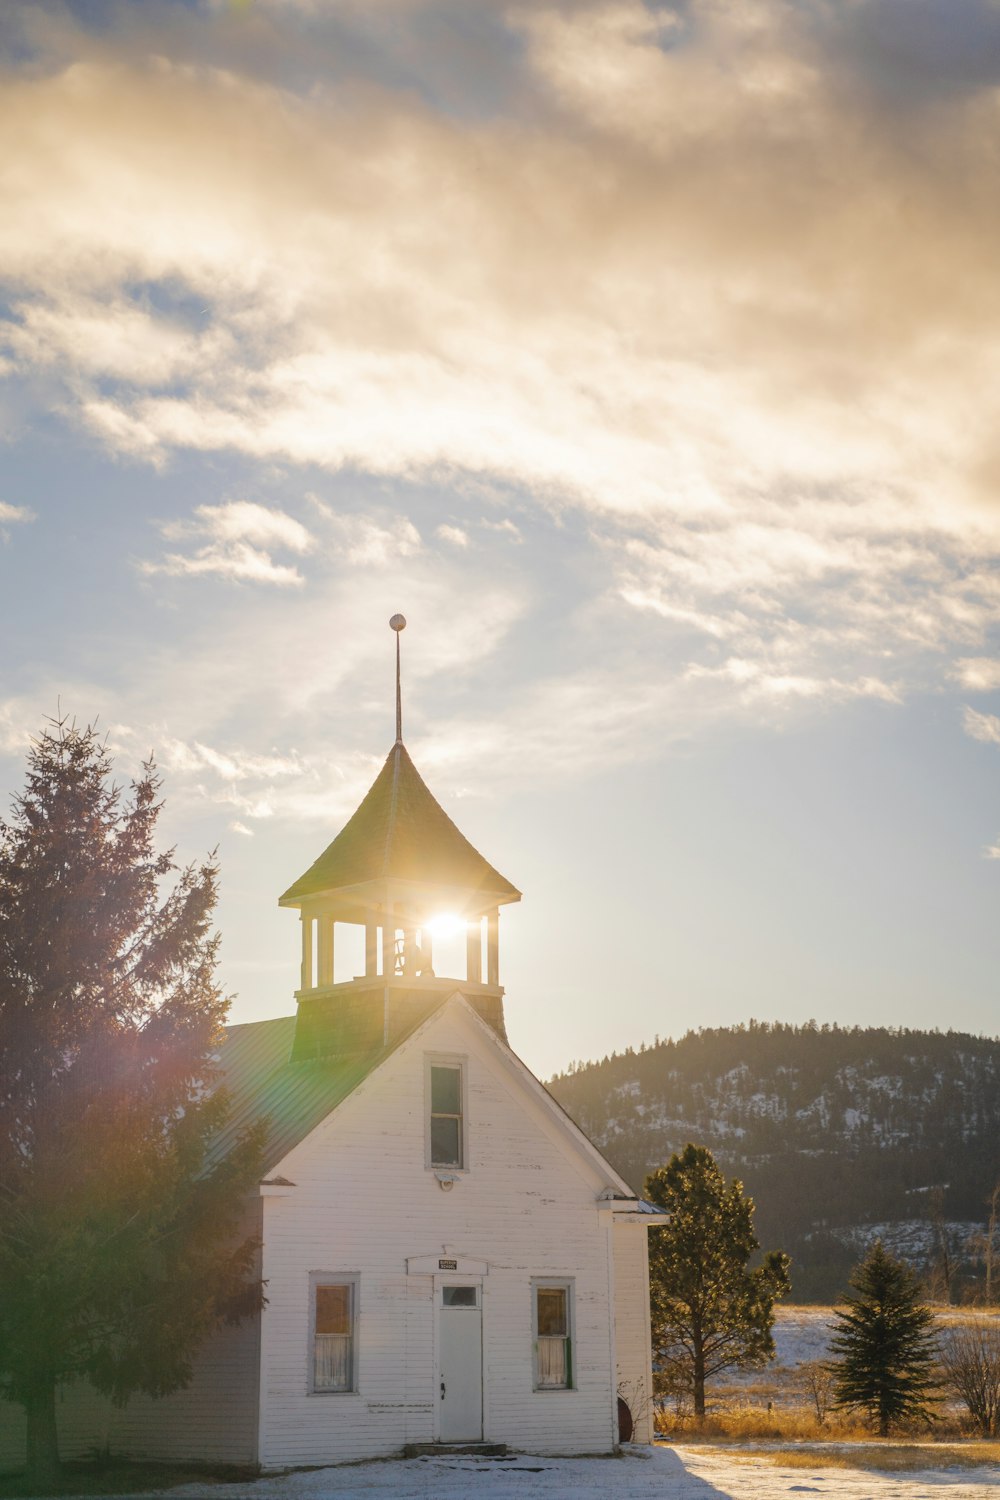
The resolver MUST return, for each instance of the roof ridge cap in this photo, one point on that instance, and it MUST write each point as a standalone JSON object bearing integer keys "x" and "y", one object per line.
{"x": 393, "y": 802}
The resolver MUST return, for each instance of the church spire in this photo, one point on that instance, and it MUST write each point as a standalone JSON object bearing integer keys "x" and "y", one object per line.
{"x": 400, "y": 873}
{"x": 398, "y": 623}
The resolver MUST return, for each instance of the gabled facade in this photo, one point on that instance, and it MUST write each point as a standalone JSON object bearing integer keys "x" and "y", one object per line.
{"x": 447, "y": 1258}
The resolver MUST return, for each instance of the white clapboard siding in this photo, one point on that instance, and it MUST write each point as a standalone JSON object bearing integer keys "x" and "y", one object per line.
{"x": 635, "y": 1376}
{"x": 365, "y": 1201}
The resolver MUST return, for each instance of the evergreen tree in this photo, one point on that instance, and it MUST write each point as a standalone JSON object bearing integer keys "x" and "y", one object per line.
{"x": 709, "y": 1312}
{"x": 883, "y": 1346}
{"x": 120, "y": 1248}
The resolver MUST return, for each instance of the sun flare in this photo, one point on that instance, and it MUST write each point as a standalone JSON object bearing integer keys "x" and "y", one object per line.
{"x": 445, "y": 925}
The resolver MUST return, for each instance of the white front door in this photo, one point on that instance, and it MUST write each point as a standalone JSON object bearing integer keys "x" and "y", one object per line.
{"x": 460, "y": 1377}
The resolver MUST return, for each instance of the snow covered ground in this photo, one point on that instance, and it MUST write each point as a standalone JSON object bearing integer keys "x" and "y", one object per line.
{"x": 683, "y": 1473}
{"x": 801, "y": 1335}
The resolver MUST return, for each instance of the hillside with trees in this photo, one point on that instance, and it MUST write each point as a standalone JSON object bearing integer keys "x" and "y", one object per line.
{"x": 838, "y": 1134}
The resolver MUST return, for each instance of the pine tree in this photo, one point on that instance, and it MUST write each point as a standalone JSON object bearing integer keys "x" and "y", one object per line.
{"x": 119, "y": 1247}
{"x": 709, "y": 1312}
{"x": 884, "y": 1348}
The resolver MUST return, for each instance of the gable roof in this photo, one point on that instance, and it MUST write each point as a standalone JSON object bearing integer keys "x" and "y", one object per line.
{"x": 297, "y": 1096}
{"x": 260, "y": 1080}
{"x": 400, "y": 832}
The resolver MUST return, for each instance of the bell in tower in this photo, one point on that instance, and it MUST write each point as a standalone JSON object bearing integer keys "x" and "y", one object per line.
{"x": 394, "y": 870}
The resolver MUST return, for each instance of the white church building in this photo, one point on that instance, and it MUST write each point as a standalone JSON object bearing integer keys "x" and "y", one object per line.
{"x": 448, "y": 1259}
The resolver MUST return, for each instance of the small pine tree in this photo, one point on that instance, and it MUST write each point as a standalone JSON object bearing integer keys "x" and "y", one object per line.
{"x": 883, "y": 1346}
{"x": 120, "y": 1246}
{"x": 709, "y": 1313}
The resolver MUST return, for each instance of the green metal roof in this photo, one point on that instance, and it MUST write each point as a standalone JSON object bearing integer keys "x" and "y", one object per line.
{"x": 261, "y": 1081}
{"x": 400, "y": 833}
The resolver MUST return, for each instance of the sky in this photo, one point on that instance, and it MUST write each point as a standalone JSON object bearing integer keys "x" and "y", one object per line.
{"x": 646, "y": 357}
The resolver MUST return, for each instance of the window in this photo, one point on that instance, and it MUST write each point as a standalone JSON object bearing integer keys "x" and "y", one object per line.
{"x": 334, "y": 1318}
{"x": 446, "y": 1115}
{"x": 552, "y": 1316}
{"x": 460, "y": 1296}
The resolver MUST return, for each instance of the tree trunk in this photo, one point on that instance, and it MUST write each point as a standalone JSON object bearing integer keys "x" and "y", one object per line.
{"x": 991, "y": 1235}
{"x": 43, "y": 1442}
{"x": 698, "y": 1382}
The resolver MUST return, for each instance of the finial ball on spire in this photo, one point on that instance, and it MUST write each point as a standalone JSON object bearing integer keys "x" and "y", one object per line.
{"x": 397, "y": 623}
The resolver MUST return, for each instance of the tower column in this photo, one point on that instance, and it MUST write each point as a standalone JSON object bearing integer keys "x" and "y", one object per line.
{"x": 409, "y": 951}
{"x": 493, "y": 947}
{"x": 371, "y": 949}
{"x": 306, "y": 976}
{"x": 474, "y": 952}
{"x": 325, "y": 962}
{"x": 388, "y": 945}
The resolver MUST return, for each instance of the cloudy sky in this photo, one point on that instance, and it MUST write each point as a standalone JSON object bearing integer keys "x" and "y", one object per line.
{"x": 647, "y": 357}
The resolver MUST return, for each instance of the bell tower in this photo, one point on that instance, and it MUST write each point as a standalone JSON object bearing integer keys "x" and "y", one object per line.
{"x": 396, "y": 870}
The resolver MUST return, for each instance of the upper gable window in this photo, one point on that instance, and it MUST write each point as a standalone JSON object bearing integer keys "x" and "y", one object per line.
{"x": 447, "y": 1115}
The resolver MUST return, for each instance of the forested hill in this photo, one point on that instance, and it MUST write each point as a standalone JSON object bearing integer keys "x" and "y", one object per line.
{"x": 831, "y": 1129}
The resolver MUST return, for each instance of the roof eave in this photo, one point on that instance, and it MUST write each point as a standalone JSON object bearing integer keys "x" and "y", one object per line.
{"x": 388, "y": 889}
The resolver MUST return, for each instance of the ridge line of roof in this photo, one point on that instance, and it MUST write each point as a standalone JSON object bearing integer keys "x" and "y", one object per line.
{"x": 560, "y": 1110}
{"x": 393, "y": 803}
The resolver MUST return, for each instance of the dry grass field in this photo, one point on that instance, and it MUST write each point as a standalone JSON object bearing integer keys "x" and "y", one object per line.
{"x": 786, "y": 1404}
{"x": 889, "y": 1457}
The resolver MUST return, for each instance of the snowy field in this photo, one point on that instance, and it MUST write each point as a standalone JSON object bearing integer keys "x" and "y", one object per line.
{"x": 801, "y": 1336}
{"x": 683, "y": 1473}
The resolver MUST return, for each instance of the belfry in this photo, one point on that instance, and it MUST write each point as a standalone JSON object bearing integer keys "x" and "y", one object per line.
{"x": 397, "y": 869}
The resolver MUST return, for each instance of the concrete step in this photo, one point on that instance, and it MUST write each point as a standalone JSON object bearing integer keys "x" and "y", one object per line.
{"x": 461, "y": 1450}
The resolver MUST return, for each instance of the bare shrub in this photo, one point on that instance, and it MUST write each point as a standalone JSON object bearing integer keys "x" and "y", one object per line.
{"x": 671, "y": 1393}
{"x": 970, "y": 1358}
{"x": 817, "y": 1382}
{"x": 636, "y": 1398}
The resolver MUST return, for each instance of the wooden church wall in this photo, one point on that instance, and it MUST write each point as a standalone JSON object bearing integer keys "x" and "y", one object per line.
{"x": 632, "y": 1332}
{"x": 365, "y": 1202}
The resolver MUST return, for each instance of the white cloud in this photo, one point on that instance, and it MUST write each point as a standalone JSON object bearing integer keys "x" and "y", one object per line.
{"x": 754, "y": 681}
{"x": 238, "y": 562}
{"x": 985, "y": 727}
{"x": 106, "y": 337}
{"x": 241, "y": 520}
{"x": 506, "y": 527}
{"x": 610, "y": 369}
{"x": 237, "y": 827}
{"x": 977, "y": 674}
{"x": 240, "y": 531}
{"x": 454, "y": 535}
{"x": 15, "y": 514}
{"x": 751, "y": 337}
{"x": 233, "y": 765}
{"x": 19, "y": 721}
{"x": 368, "y": 542}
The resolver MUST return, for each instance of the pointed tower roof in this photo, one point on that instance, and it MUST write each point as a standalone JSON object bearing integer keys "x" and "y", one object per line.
{"x": 400, "y": 832}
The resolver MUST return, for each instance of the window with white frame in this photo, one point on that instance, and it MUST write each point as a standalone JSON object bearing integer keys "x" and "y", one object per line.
{"x": 446, "y": 1147}
{"x": 333, "y": 1322}
{"x": 552, "y": 1319}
